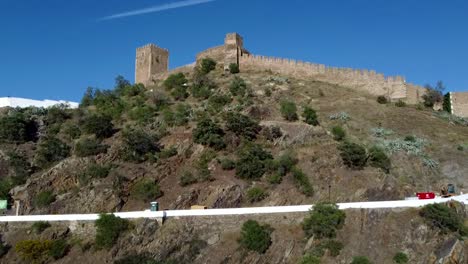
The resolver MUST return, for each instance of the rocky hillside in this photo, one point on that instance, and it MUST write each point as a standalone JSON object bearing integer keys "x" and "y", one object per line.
{"x": 225, "y": 139}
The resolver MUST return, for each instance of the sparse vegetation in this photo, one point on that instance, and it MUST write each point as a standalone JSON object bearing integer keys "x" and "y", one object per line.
{"x": 44, "y": 198}
{"x": 33, "y": 251}
{"x": 146, "y": 190}
{"x": 255, "y": 237}
{"x": 108, "y": 229}
{"x": 310, "y": 116}
{"x": 187, "y": 178}
{"x": 433, "y": 95}
{"x": 51, "y": 150}
{"x": 238, "y": 87}
{"x": 94, "y": 171}
{"x": 382, "y": 99}
{"x": 256, "y": 194}
{"x": 361, "y": 260}
{"x": 39, "y": 227}
{"x": 338, "y": 133}
{"x": 378, "y": 158}
{"x": 289, "y": 110}
{"x": 207, "y": 65}
{"x": 228, "y": 164}
{"x": 400, "y": 258}
{"x": 89, "y": 147}
{"x": 302, "y": 182}
{"x": 354, "y": 155}
{"x": 400, "y": 103}
{"x": 342, "y": 116}
{"x": 58, "y": 249}
{"x": 323, "y": 221}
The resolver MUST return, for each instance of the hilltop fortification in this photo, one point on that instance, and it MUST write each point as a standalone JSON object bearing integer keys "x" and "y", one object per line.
{"x": 152, "y": 64}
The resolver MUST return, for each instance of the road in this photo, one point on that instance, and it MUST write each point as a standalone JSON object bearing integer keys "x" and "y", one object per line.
{"x": 231, "y": 211}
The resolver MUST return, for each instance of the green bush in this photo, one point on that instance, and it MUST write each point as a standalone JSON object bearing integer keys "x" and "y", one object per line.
{"x": 302, "y": 182}
{"x": 447, "y": 104}
{"x": 281, "y": 166}
{"x": 100, "y": 125}
{"x": 89, "y": 147}
{"x": 20, "y": 168}
{"x": 33, "y": 251}
{"x": 338, "y": 133}
{"x": 57, "y": 114}
{"x": 354, "y": 155}
{"x": 234, "y": 68}
{"x": 378, "y": 158}
{"x": 228, "y": 164}
{"x": 71, "y": 130}
{"x": 433, "y": 95}
{"x": 238, "y": 87}
{"x": 108, "y": 103}
{"x": 39, "y": 227}
{"x": 143, "y": 114}
{"x": 182, "y": 114}
{"x": 255, "y": 237}
{"x": 203, "y": 173}
{"x": 400, "y": 258}
{"x": 310, "y": 116}
{"x": 382, "y": 99}
{"x": 175, "y": 80}
{"x": 443, "y": 217}
{"x": 218, "y": 101}
{"x": 272, "y": 132}
{"x": 180, "y": 93}
{"x": 242, "y": 125}
{"x": 400, "y": 103}
{"x": 44, "y": 198}
{"x": 13, "y": 129}
{"x": 146, "y": 190}
{"x": 209, "y": 133}
{"x": 187, "y": 178}
{"x": 94, "y": 171}
{"x": 288, "y": 110}
{"x": 138, "y": 145}
{"x": 167, "y": 153}
{"x": 201, "y": 92}
{"x": 108, "y": 229}
{"x": 5, "y": 186}
{"x": 251, "y": 163}
{"x": 323, "y": 221}
{"x": 333, "y": 246}
{"x": 207, "y": 65}
{"x": 309, "y": 259}
{"x": 256, "y": 194}
{"x": 58, "y": 249}
{"x": 361, "y": 260}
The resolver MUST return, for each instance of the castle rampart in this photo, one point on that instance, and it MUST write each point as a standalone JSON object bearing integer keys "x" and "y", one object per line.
{"x": 151, "y": 64}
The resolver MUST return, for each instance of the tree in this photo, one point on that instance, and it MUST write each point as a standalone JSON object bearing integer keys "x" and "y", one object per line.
{"x": 288, "y": 110}
{"x": 207, "y": 65}
{"x": 108, "y": 229}
{"x": 324, "y": 221}
{"x": 255, "y": 237}
{"x": 310, "y": 116}
{"x": 447, "y": 104}
{"x": 209, "y": 133}
{"x": 433, "y": 95}
{"x": 251, "y": 163}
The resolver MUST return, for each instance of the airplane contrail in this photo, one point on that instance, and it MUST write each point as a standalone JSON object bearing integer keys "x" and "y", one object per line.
{"x": 157, "y": 8}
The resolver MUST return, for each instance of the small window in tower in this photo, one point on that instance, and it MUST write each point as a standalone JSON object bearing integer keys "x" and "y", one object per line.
{"x": 157, "y": 59}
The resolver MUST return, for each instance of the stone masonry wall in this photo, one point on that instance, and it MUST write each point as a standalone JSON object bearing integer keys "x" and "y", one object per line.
{"x": 459, "y": 102}
{"x": 414, "y": 93}
{"x": 369, "y": 81}
{"x": 150, "y": 60}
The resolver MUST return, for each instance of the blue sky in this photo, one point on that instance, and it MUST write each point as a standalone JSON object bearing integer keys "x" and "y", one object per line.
{"x": 55, "y": 49}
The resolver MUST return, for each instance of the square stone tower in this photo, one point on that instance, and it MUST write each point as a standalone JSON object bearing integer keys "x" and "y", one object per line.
{"x": 150, "y": 60}
{"x": 233, "y": 48}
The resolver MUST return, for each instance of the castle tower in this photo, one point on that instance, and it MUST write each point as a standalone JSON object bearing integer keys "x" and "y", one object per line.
{"x": 150, "y": 59}
{"x": 233, "y": 48}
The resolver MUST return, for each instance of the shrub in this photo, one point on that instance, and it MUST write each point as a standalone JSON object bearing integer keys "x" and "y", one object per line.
{"x": 20, "y": 168}
{"x": 242, "y": 125}
{"x": 175, "y": 80}
{"x": 146, "y": 190}
{"x": 89, "y": 147}
{"x": 4, "y": 248}
{"x": 201, "y": 91}
{"x": 51, "y": 150}
{"x": 39, "y": 227}
{"x": 217, "y": 102}
{"x": 143, "y": 114}
{"x": 234, "y": 68}
{"x": 310, "y": 116}
{"x": 207, "y": 65}
{"x": 58, "y": 249}
{"x": 443, "y": 217}
{"x": 203, "y": 173}
{"x": 354, "y": 155}
{"x": 5, "y": 186}
{"x": 57, "y": 114}
{"x": 302, "y": 182}
{"x": 381, "y": 132}
{"x": 167, "y": 153}
{"x": 272, "y": 132}
{"x": 71, "y": 130}
{"x": 251, "y": 163}
{"x": 400, "y": 258}
{"x": 108, "y": 229}
{"x": 268, "y": 92}
{"x": 333, "y": 246}
{"x": 382, "y": 99}
{"x": 180, "y": 93}
{"x": 338, "y": 133}
{"x": 100, "y": 125}
{"x": 44, "y": 198}
{"x": 400, "y": 103}
{"x": 94, "y": 171}
{"x": 238, "y": 87}
{"x": 361, "y": 260}
{"x": 182, "y": 114}
{"x": 13, "y": 129}
{"x": 138, "y": 145}
{"x": 187, "y": 178}
{"x": 34, "y": 251}
{"x": 255, "y": 237}
{"x": 433, "y": 95}
{"x": 288, "y": 110}
{"x": 209, "y": 133}
{"x": 323, "y": 221}
{"x": 108, "y": 103}
{"x": 342, "y": 116}
{"x": 378, "y": 159}
{"x": 256, "y": 194}
{"x": 309, "y": 259}
{"x": 228, "y": 164}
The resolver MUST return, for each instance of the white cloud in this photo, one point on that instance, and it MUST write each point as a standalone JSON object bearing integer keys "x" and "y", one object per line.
{"x": 157, "y": 8}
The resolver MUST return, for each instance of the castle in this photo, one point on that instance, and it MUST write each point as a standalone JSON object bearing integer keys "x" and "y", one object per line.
{"x": 152, "y": 64}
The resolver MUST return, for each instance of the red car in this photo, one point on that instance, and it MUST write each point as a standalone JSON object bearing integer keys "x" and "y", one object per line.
{"x": 425, "y": 195}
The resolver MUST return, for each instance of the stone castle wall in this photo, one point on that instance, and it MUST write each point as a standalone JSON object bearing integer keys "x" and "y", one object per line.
{"x": 150, "y": 60}
{"x": 459, "y": 102}
{"x": 364, "y": 80}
